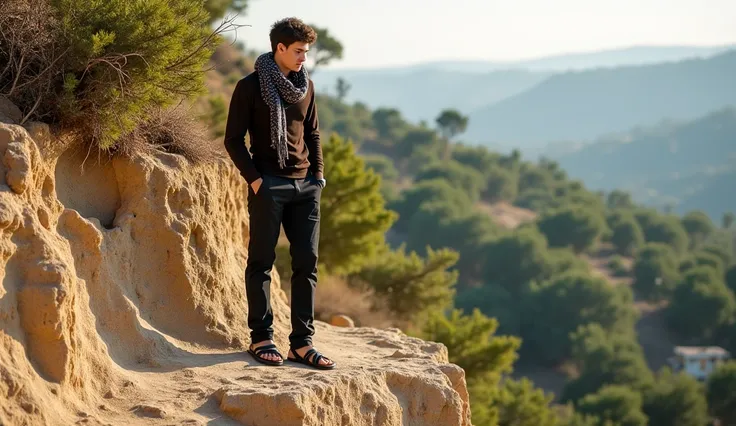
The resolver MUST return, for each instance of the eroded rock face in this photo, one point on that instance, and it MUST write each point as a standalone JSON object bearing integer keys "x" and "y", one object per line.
{"x": 122, "y": 297}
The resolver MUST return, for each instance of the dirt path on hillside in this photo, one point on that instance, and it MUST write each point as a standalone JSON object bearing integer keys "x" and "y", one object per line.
{"x": 651, "y": 329}
{"x": 653, "y": 335}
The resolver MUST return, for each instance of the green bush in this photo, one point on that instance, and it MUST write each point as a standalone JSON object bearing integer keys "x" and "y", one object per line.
{"x": 501, "y": 185}
{"x": 382, "y": 165}
{"x": 415, "y": 141}
{"x": 354, "y": 217}
{"x": 701, "y": 305}
{"x": 534, "y": 178}
{"x": 721, "y": 393}
{"x": 465, "y": 233}
{"x": 462, "y": 178}
{"x": 565, "y": 260}
{"x": 517, "y": 259}
{"x": 676, "y": 399}
{"x": 618, "y": 267}
{"x": 667, "y": 230}
{"x": 731, "y": 278}
{"x": 473, "y": 344}
{"x": 106, "y": 63}
{"x": 626, "y": 234}
{"x": 617, "y": 404}
{"x": 723, "y": 251}
{"x": 618, "y": 199}
{"x": 569, "y": 301}
{"x": 390, "y": 125}
{"x": 537, "y": 200}
{"x": 477, "y": 157}
{"x": 604, "y": 358}
{"x": 573, "y": 227}
{"x": 698, "y": 226}
{"x": 655, "y": 271}
{"x": 521, "y": 404}
{"x": 409, "y": 285}
{"x": 430, "y": 191}
{"x": 703, "y": 258}
{"x": 497, "y": 302}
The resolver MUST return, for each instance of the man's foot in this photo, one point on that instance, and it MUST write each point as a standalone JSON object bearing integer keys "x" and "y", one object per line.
{"x": 266, "y": 351}
{"x": 309, "y": 356}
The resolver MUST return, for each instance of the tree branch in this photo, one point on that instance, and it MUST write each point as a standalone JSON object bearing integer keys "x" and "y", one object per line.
{"x": 225, "y": 25}
{"x": 17, "y": 75}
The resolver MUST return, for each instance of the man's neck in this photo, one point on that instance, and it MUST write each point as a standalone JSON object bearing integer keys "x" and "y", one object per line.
{"x": 283, "y": 69}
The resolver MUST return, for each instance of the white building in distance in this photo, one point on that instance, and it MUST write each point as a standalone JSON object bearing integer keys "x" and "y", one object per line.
{"x": 698, "y": 361}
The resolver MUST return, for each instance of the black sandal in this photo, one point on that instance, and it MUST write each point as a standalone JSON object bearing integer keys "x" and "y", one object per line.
{"x": 266, "y": 349}
{"x": 311, "y": 358}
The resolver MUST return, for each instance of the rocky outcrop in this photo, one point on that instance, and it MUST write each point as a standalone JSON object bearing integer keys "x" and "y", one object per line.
{"x": 122, "y": 302}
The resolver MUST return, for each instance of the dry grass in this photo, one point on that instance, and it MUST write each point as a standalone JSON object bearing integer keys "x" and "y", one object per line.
{"x": 507, "y": 215}
{"x": 29, "y": 54}
{"x": 335, "y": 296}
{"x": 171, "y": 130}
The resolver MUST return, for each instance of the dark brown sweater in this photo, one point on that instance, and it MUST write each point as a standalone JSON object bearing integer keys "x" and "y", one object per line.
{"x": 249, "y": 113}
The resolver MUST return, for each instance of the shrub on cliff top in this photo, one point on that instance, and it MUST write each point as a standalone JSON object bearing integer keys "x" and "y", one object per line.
{"x": 97, "y": 67}
{"x": 171, "y": 130}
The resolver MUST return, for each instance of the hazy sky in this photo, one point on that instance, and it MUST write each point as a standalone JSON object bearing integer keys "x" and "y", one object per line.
{"x": 399, "y": 32}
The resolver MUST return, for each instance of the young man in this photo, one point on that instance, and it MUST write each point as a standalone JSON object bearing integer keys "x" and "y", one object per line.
{"x": 284, "y": 170}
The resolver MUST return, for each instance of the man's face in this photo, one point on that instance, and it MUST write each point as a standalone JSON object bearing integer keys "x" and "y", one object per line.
{"x": 294, "y": 56}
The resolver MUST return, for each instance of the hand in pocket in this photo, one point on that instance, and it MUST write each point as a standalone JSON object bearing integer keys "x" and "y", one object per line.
{"x": 256, "y": 185}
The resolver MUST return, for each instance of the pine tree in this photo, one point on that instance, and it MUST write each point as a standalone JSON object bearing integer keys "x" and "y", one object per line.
{"x": 410, "y": 286}
{"x": 354, "y": 219}
{"x": 472, "y": 344}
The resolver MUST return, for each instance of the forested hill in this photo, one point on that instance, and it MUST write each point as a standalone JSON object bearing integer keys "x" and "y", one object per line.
{"x": 685, "y": 165}
{"x": 585, "y": 105}
{"x": 421, "y": 249}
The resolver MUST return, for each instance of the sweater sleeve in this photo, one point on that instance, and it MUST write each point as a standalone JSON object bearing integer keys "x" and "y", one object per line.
{"x": 238, "y": 120}
{"x": 312, "y": 136}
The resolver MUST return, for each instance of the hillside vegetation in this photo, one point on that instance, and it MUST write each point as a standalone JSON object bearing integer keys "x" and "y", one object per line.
{"x": 525, "y": 295}
{"x": 663, "y": 132}
{"x": 685, "y": 165}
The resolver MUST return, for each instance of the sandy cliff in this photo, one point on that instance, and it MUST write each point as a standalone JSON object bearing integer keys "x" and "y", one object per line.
{"x": 122, "y": 302}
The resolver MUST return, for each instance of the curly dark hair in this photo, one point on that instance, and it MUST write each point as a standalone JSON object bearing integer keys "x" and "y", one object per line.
{"x": 290, "y": 30}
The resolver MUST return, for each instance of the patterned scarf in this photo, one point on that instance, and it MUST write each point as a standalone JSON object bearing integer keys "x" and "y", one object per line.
{"x": 276, "y": 89}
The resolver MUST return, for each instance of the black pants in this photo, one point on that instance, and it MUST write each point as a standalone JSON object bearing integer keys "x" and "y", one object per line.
{"x": 295, "y": 204}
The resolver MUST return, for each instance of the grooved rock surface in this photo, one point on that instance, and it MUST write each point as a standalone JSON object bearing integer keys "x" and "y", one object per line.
{"x": 122, "y": 302}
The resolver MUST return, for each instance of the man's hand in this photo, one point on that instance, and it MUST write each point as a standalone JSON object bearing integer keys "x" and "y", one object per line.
{"x": 256, "y": 185}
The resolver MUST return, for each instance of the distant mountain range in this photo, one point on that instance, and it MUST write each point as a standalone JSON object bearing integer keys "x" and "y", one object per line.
{"x": 636, "y": 55}
{"x": 421, "y": 91}
{"x": 422, "y": 94}
{"x": 583, "y": 105}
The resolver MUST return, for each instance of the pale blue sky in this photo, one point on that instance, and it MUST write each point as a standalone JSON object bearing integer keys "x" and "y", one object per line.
{"x": 399, "y": 32}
